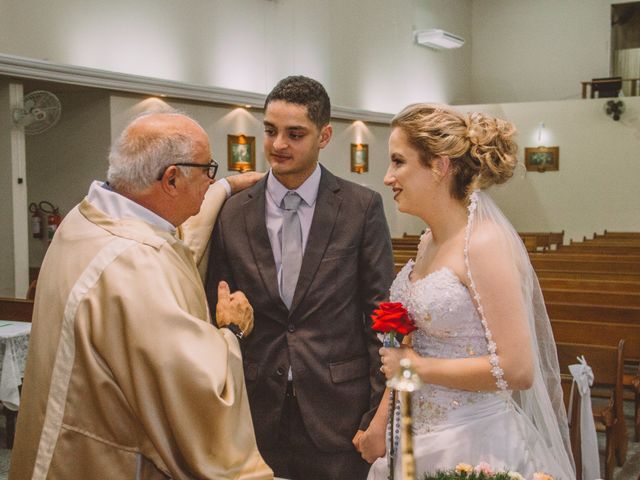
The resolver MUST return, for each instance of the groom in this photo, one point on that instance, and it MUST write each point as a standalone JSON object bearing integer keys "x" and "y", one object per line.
{"x": 312, "y": 253}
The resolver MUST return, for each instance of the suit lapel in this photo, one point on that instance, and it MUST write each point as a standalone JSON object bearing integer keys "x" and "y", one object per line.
{"x": 324, "y": 218}
{"x": 258, "y": 239}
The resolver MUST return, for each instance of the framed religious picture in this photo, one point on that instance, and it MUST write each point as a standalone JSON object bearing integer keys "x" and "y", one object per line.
{"x": 542, "y": 159}
{"x": 359, "y": 157}
{"x": 241, "y": 153}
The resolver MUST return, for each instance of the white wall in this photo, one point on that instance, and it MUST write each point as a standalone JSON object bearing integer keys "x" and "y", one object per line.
{"x": 6, "y": 198}
{"x": 62, "y": 162}
{"x": 362, "y": 51}
{"x": 538, "y": 50}
{"x": 220, "y": 122}
{"x": 596, "y": 187}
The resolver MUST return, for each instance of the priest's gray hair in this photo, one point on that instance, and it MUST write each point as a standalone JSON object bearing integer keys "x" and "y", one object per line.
{"x": 136, "y": 161}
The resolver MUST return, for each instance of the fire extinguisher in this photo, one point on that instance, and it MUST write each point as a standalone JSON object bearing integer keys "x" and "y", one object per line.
{"x": 36, "y": 221}
{"x": 53, "y": 218}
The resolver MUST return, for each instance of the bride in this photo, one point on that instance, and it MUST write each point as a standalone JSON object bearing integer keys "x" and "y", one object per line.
{"x": 483, "y": 348}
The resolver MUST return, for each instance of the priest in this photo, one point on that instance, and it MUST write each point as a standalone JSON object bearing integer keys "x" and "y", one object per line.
{"x": 126, "y": 376}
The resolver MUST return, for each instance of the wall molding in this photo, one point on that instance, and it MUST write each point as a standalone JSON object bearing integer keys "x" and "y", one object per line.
{"x": 29, "y": 68}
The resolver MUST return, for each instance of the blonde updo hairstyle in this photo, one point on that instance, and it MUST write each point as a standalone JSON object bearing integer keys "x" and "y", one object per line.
{"x": 480, "y": 147}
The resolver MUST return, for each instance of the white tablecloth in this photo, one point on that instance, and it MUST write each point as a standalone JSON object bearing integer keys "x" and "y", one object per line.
{"x": 14, "y": 344}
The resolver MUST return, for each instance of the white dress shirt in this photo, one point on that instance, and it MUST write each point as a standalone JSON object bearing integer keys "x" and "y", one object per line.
{"x": 274, "y": 194}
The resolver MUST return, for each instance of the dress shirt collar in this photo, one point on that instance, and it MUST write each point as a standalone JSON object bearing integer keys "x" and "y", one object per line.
{"x": 308, "y": 191}
{"x": 120, "y": 207}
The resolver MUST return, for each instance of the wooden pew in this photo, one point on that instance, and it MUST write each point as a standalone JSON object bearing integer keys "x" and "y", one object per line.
{"x": 569, "y": 274}
{"x": 16, "y": 309}
{"x": 598, "y": 333}
{"x": 613, "y": 241}
{"x": 594, "y": 313}
{"x": 563, "y": 254}
{"x": 604, "y": 250}
{"x": 607, "y": 365}
{"x": 555, "y": 262}
{"x": 556, "y": 238}
{"x": 542, "y": 241}
{"x": 592, "y": 297}
{"x": 584, "y": 284}
{"x": 609, "y": 234}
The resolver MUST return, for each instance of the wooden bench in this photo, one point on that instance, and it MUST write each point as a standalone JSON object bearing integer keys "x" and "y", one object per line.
{"x": 607, "y": 364}
{"x": 555, "y": 262}
{"x": 16, "y": 309}
{"x": 594, "y": 313}
{"x": 541, "y": 241}
{"x": 404, "y": 243}
{"x": 605, "y": 250}
{"x": 584, "y": 284}
{"x": 588, "y": 257}
{"x": 598, "y": 333}
{"x": 592, "y": 297}
{"x": 608, "y": 234}
{"x": 570, "y": 274}
{"x": 609, "y": 241}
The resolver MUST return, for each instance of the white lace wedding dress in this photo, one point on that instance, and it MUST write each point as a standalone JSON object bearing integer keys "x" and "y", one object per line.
{"x": 457, "y": 426}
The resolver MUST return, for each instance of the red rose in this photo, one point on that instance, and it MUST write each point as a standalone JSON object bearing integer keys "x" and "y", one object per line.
{"x": 392, "y": 317}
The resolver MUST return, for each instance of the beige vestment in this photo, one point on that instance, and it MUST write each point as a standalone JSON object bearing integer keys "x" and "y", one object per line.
{"x": 126, "y": 378}
{"x": 196, "y": 231}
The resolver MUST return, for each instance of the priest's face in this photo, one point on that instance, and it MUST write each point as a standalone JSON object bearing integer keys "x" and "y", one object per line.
{"x": 292, "y": 142}
{"x": 197, "y": 181}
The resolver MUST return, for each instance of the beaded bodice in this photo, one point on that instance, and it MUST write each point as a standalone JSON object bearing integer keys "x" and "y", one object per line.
{"x": 449, "y": 326}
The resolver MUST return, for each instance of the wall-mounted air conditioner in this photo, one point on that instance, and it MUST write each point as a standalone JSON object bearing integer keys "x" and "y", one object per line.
{"x": 438, "y": 39}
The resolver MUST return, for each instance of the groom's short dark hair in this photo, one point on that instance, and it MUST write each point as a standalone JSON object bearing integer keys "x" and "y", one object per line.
{"x": 303, "y": 91}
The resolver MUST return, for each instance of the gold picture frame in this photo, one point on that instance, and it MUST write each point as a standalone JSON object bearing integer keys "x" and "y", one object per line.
{"x": 359, "y": 157}
{"x": 542, "y": 159}
{"x": 241, "y": 153}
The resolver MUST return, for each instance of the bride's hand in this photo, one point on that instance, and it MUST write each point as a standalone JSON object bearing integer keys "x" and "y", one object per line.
{"x": 391, "y": 357}
{"x": 371, "y": 443}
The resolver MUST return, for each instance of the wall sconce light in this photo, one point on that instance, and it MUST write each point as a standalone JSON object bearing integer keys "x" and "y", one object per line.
{"x": 540, "y": 132}
{"x": 359, "y": 157}
{"x": 614, "y": 108}
{"x": 541, "y": 158}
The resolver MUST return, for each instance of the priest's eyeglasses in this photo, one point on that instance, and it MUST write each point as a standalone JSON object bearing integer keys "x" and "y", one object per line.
{"x": 212, "y": 168}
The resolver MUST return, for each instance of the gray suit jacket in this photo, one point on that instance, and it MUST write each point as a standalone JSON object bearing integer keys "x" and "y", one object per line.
{"x": 326, "y": 338}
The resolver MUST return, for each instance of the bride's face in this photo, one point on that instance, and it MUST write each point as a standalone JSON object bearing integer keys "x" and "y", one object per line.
{"x": 410, "y": 180}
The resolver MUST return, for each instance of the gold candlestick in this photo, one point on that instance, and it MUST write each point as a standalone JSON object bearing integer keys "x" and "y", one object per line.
{"x": 405, "y": 382}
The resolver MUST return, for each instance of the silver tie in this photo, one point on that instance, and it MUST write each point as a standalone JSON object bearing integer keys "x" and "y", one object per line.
{"x": 291, "y": 247}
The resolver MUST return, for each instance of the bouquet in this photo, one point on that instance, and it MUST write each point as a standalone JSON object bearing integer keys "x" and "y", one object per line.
{"x": 482, "y": 471}
{"x": 390, "y": 319}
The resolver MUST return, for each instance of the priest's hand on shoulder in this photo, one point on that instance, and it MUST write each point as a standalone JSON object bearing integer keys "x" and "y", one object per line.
{"x": 234, "y": 309}
{"x": 243, "y": 180}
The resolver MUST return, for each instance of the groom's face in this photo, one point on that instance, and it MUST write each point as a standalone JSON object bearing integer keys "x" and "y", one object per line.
{"x": 292, "y": 142}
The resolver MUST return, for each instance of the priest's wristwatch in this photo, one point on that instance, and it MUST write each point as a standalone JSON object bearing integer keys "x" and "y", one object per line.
{"x": 235, "y": 329}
